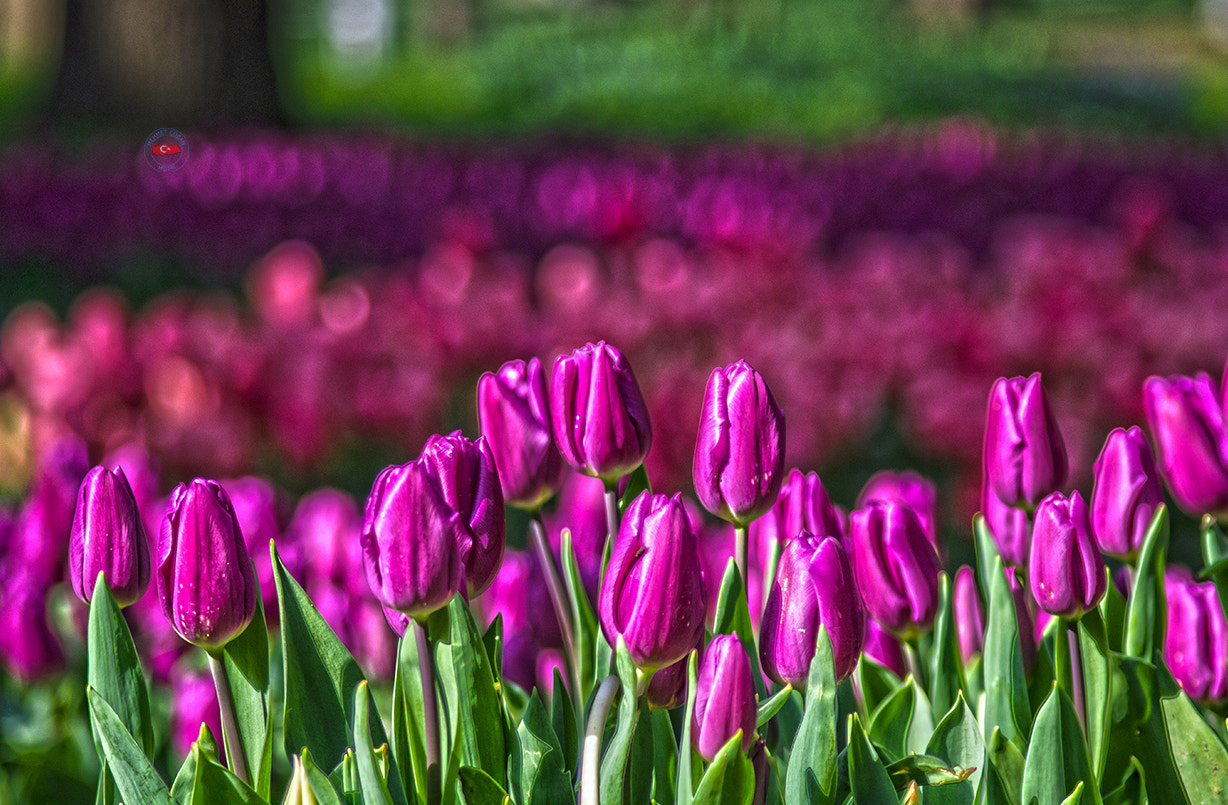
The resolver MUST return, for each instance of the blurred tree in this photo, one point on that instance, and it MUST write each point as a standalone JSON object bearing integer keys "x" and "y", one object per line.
{"x": 148, "y": 63}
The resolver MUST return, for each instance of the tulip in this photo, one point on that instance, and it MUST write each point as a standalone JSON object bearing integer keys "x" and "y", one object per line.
{"x": 1065, "y": 568}
{"x": 897, "y": 568}
{"x": 508, "y": 597}
{"x": 1010, "y": 528}
{"x": 883, "y": 647}
{"x": 255, "y": 504}
{"x": 326, "y": 527}
{"x": 739, "y": 453}
{"x": 28, "y": 647}
{"x": 805, "y": 506}
{"x": 814, "y": 587}
{"x": 581, "y": 510}
{"x": 969, "y": 614}
{"x": 1196, "y": 642}
{"x": 465, "y": 472}
{"x": 1025, "y": 458}
{"x": 909, "y": 489}
{"x": 667, "y": 688}
{"x": 514, "y": 413}
{"x": 411, "y": 541}
{"x": 653, "y": 591}
{"x": 724, "y": 698}
{"x": 108, "y": 537}
{"x": 599, "y": 416}
{"x": 205, "y": 578}
{"x": 195, "y": 703}
{"x": 1126, "y": 493}
{"x": 1187, "y": 423}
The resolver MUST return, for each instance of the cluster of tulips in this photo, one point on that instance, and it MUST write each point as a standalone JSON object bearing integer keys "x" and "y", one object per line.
{"x": 865, "y": 674}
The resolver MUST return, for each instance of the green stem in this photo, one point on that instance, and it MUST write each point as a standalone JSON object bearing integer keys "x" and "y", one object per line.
{"x": 1069, "y": 668}
{"x": 591, "y": 753}
{"x": 611, "y": 510}
{"x": 739, "y": 555}
{"x": 230, "y": 724}
{"x": 426, "y": 667}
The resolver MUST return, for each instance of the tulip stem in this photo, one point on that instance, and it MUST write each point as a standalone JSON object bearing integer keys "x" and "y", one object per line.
{"x": 912, "y": 653}
{"x": 1069, "y": 666}
{"x": 611, "y": 511}
{"x": 230, "y": 725}
{"x": 739, "y": 556}
{"x": 554, "y": 584}
{"x": 430, "y": 712}
{"x": 589, "y": 766}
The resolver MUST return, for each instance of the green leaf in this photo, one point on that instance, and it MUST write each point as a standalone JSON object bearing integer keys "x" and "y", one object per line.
{"x": 1215, "y": 555}
{"x": 1057, "y": 759}
{"x": 867, "y": 776}
{"x": 1200, "y": 756}
{"x": 492, "y": 639}
{"x": 769, "y": 708}
{"x": 664, "y": 759}
{"x": 1076, "y": 798}
{"x": 926, "y": 770}
{"x": 246, "y": 660}
{"x": 1097, "y": 663}
{"x": 637, "y": 482}
{"x": 1113, "y": 611}
{"x": 214, "y": 784}
{"x": 370, "y": 781}
{"x": 993, "y": 791}
{"x": 902, "y": 724}
{"x": 1006, "y": 692}
{"x": 479, "y": 788}
{"x": 684, "y": 790}
{"x": 323, "y": 790}
{"x": 181, "y": 788}
{"x": 1007, "y": 762}
{"x": 473, "y": 702}
{"x": 614, "y": 763}
{"x": 946, "y": 666}
{"x": 1130, "y": 792}
{"x": 814, "y": 746}
{"x": 986, "y": 554}
{"x": 543, "y": 773}
{"x": 409, "y": 719}
{"x": 563, "y": 721}
{"x": 640, "y": 763}
{"x": 958, "y": 741}
{"x": 733, "y": 618}
{"x": 591, "y": 645}
{"x": 876, "y": 682}
{"x": 730, "y": 779}
{"x": 1145, "y": 613}
{"x": 134, "y": 775}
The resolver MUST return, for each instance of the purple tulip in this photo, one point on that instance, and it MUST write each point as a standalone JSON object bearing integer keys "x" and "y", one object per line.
{"x": 465, "y": 472}
{"x": 897, "y": 568}
{"x": 195, "y": 703}
{"x": 599, "y": 416}
{"x": 1065, "y": 568}
{"x": 1196, "y": 642}
{"x": 28, "y": 647}
{"x": 724, "y": 698}
{"x": 1187, "y": 423}
{"x": 814, "y": 586}
{"x": 108, "y": 537}
{"x": 411, "y": 541}
{"x": 514, "y": 413}
{"x": 909, "y": 489}
{"x": 1010, "y": 528}
{"x": 885, "y": 649}
{"x": 739, "y": 453}
{"x": 326, "y": 527}
{"x": 653, "y": 591}
{"x": 1025, "y": 458}
{"x": 969, "y": 614}
{"x": 205, "y": 578}
{"x": 581, "y": 510}
{"x": 1126, "y": 493}
{"x": 255, "y": 504}
{"x": 805, "y": 506}
{"x": 667, "y": 688}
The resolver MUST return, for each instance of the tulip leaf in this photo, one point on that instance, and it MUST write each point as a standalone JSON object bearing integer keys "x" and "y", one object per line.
{"x": 479, "y": 788}
{"x": 321, "y": 787}
{"x": 902, "y": 724}
{"x": 814, "y": 747}
{"x": 868, "y": 779}
{"x": 993, "y": 791}
{"x": 1113, "y": 610}
{"x": 876, "y": 682}
{"x": 927, "y": 770}
{"x": 542, "y": 771}
{"x": 769, "y": 708}
{"x": 1145, "y": 614}
{"x": 730, "y": 779}
{"x": 473, "y": 709}
{"x": 320, "y": 676}
{"x": 563, "y": 721}
{"x": 492, "y": 640}
{"x": 181, "y": 788}
{"x": 408, "y": 720}
{"x": 1215, "y": 556}
{"x": 591, "y": 646}
{"x": 370, "y": 782}
{"x": 134, "y": 774}
{"x": 640, "y": 763}
{"x": 958, "y": 741}
{"x": 1198, "y": 753}
{"x": 986, "y": 554}
{"x": 1097, "y": 664}
{"x": 664, "y": 758}
{"x": 1132, "y": 787}
{"x": 1057, "y": 759}
{"x": 684, "y": 791}
{"x": 1006, "y": 692}
{"x": 1007, "y": 762}
{"x": 613, "y": 774}
{"x": 637, "y": 483}
{"x": 246, "y": 660}
{"x": 733, "y": 618}
{"x": 946, "y": 670}
{"x": 1075, "y": 798}
{"x": 214, "y": 784}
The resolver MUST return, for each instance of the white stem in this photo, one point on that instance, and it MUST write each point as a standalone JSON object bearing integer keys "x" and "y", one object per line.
{"x": 589, "y": 765}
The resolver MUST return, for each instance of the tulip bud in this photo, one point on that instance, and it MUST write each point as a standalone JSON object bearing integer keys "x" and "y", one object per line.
{"x": 107, "y": 537}
{"x": 667, "y": 688}
{"x": 1126, "y": 493}
{"x": 653, "y": 591}
{"x": 814, "y": 586}
{"x": 883, "y": 647}
{"x": 411, "y": 541}
{"x": 465, "y": 471}
{"x": 1010, "y": 528}
{"x": 514, "y": 413}
{"x": 255, "y": 504}
{"x": 805, "y": 506}
{"x": 739, "y": 453}
{"x": 724, "y": 698}
{"x": 326, "y": 527}
{"x": 1025, "y": 458}
{"x": 969, "y": 614}
{"x": 909, "y": 489}
{"x": 205, "y": 578}
{"x": 599, "y": 416}
{"x": 1191, "y": 441}
{"x": 195, "y": 702}
{"x": 1196, "y": 642}
{"x": 1065, "y": 568}
{"x": 897, "y": 568}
